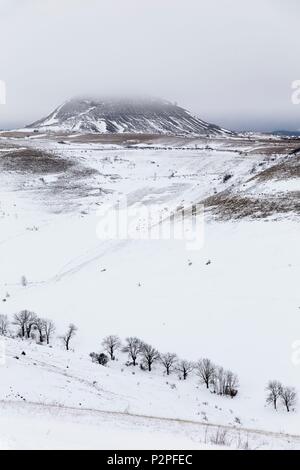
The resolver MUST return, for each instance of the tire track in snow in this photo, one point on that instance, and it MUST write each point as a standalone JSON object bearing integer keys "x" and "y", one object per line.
{"x": 194, "y": 429}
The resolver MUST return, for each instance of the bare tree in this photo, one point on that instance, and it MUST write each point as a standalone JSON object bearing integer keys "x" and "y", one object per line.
{"x": 71, "y": 332}
{"x": 168, "y": 360}
{"x": 231, "y": 383}
{"x": 39, "y": 324}
{"x": 30, "y": 324}
{"x": 225, "y": 382}
{"x": 3, "y": 325}
{"x": 133, "y": 347}
{"x": 185, "y": 368}
{"x": 206, "y": 371}
{"x": 274, "y": 389}
{"x": 111, "y": 343}
{"x": 49, "y": 329}
{"x": 219, "y": 380}
{"x": 20, "y": 320}
{"x": 25, "y": 321}
{"x": 150, "y": 355}
{"x": 288, "y": 397}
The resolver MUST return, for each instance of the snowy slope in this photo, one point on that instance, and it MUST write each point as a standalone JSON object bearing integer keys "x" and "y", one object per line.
{"x": 151, "y": 116}
{"x": 56, "y": 399}
{"x": 241, "y": 310}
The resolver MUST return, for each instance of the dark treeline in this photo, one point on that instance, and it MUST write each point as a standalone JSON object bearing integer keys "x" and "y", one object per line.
{"x": 28, "y": 325}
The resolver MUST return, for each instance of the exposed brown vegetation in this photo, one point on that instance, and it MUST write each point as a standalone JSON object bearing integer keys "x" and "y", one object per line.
{"x": 290, "y": 168}
{"x": 33, "y": 161}
{"x": 232, "y": 206}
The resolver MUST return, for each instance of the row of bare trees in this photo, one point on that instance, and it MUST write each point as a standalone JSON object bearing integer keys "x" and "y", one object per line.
{"x": 278, "y": 393}
{"x": 30, "y": 325}
{"x": 28, "y": 321}
{"x": 217, "y": 379}
{"x": 214, "y": 377}
{"x": 134, "y": 347}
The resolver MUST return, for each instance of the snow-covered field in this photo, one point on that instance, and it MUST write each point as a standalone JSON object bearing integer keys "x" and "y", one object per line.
{"x": 235, "y": 300}
{"x": 54, "y": 399}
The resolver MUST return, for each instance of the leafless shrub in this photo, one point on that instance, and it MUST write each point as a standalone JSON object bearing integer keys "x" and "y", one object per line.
{"x": 237, "y": 420}
{"x": 243, "y": 444}
{"x": 220, "y": 437}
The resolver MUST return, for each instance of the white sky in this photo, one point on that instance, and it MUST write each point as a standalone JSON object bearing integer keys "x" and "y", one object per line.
{"x": 230, "y": 61}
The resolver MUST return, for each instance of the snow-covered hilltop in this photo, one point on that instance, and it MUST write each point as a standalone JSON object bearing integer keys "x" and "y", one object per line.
{"x": 145, "y": 116}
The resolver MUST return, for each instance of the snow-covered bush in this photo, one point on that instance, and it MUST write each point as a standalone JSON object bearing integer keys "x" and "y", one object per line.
{"x": 100, "y": 358}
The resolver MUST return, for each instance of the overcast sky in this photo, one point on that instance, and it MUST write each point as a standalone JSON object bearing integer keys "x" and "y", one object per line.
{"x": 231, "y": 62}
